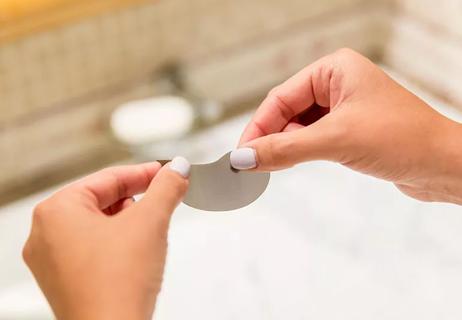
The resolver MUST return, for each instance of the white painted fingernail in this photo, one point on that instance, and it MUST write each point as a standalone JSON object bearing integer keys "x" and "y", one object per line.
{"x": 181, "y": 165}
{"x": 243, "y": 159}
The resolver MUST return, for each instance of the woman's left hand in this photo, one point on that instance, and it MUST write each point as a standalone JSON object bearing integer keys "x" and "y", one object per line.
{"x": 96, "y": 253}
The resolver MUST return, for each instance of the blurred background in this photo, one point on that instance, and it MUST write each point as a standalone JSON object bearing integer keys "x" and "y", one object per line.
{"x": 86, "y": 84}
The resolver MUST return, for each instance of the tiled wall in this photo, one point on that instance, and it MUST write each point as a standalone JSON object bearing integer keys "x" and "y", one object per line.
{"x": 260, "y": 64}
{"x": 58, "y": 87}
{"x": 426, "y": 45}
{"x": 45, "y": 69}
{"x": 444, "y": 14}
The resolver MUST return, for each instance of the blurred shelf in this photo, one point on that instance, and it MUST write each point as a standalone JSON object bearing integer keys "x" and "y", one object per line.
{"x": 21, "y": 18}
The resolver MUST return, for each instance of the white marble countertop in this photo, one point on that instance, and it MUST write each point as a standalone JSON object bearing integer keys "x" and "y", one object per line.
{"x": 322, "y": 243}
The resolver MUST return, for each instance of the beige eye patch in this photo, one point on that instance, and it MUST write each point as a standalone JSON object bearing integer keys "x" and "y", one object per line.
{"x": 217, "y": 186}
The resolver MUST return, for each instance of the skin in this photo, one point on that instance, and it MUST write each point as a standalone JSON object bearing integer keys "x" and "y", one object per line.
{"x": 97, "y": 254}
{"x": 345, "y": 109}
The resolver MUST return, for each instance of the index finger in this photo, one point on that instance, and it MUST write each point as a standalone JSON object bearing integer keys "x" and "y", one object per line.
{"x": 106, "y": 187}
{"x": 289, "y": 99}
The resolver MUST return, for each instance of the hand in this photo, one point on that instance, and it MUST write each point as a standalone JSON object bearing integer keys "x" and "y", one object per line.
{"x": 96, "y": 253}
{"x": 345, "y": 109}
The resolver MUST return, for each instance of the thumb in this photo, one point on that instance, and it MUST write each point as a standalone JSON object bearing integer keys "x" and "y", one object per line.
{"x": 166, "y": 190}
{"x": 282, "y": 150}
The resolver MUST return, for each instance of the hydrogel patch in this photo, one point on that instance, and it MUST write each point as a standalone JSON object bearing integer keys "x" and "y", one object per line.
{"x": 217, "y": 186}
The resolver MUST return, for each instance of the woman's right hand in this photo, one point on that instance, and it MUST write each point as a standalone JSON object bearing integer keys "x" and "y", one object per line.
{"x": 343, "y": 108}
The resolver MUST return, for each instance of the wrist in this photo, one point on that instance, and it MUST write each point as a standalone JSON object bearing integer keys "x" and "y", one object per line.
{"x": 103, "y": 311}
{"x": 102, "y": 314}
{"x": 448, "y": 161}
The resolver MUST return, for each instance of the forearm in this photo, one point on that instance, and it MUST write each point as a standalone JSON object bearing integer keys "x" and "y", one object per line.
{"x": 452, "y": 163}
{"x": 105, "y": 303}
{"x": 103, "y": 313}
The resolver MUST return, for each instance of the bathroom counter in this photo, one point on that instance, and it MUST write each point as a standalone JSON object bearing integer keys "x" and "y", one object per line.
{"x": 323, "y": 242}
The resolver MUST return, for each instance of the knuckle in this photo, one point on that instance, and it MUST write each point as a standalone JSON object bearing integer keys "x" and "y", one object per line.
{"x": 351, "y": 58}
{"x": 347, "y": 53}
{"x": 274, "y": 91}
{"x": 45, "y": 209}
{"x": 347, "y": 57}
{"x": 110, "y": 170}
{"x": 27, "y": 252}
{"x": 41, "y": 209}
{"x": 109, "y": 173}
{"x": 280, "y": 101}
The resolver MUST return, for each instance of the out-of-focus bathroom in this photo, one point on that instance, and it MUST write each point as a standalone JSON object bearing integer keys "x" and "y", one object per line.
{"x": 90, "y": 84}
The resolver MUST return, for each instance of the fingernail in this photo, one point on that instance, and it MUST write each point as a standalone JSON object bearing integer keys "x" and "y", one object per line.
{"x": 181, "y": 165}
{"x": 243, "y": 159}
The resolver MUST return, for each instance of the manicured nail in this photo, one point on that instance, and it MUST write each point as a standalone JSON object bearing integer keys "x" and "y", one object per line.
{"x": 181, "y": 165}
{"x": 243, "y": 159}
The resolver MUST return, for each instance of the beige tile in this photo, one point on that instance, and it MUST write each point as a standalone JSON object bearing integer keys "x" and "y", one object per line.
{"x": 128, "y": 22}
{"x": 38, "y": 55}
{"x": 175, "y": 26}
{"x": 77, "y": 69}
{"x": 3, "y": 83}
{"x": 5, "y": 107}
{"x": 426, "y": 10}
{"x": 11, "y": 62}
{"x": 242, "y": 73}
{"x": 82, "y": 34}
{"x": 48, "y": 138}
{"x": 431, "y": 59}
{"x": 13, "y": 107}
{"x": 7, "y": 160}
{"x": 80, "y": 57}
{"x": 35, "y": 96}
{"x": 56, "y": 78}
{"x": 108, "y": 25}
{"x": 221, "y": 25}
